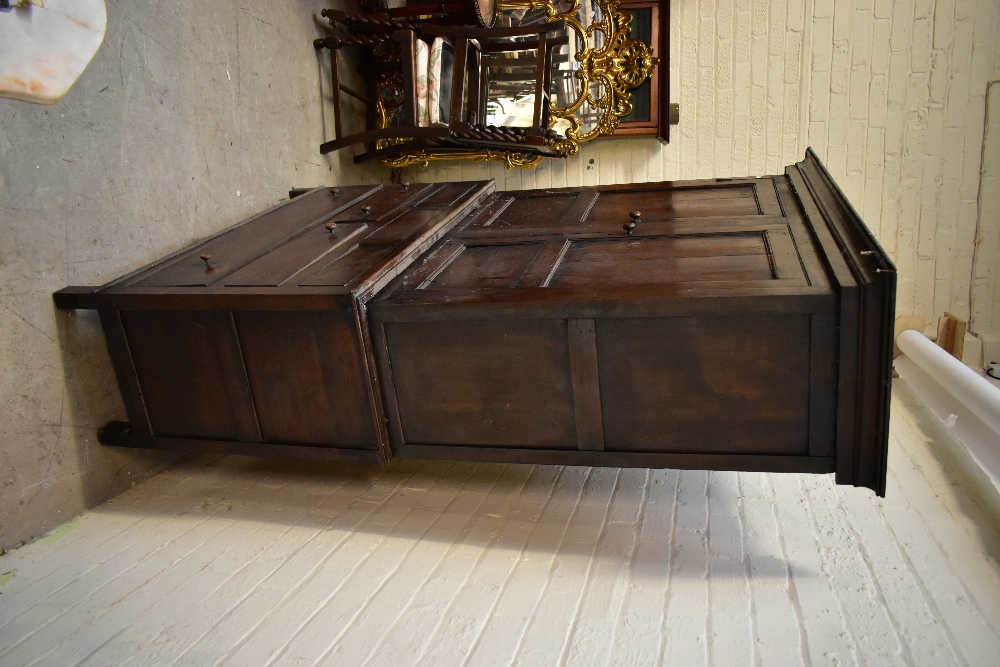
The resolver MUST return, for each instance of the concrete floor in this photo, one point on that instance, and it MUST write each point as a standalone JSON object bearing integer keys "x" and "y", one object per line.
{"x": 238, "y": 562}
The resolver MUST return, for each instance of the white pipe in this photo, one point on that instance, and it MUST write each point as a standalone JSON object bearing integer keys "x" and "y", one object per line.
{"x": 979, "y": 439}
{"x": 968, "y": 387}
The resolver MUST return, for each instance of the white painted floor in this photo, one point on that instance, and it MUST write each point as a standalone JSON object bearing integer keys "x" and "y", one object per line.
{"x": 240, "y": 562}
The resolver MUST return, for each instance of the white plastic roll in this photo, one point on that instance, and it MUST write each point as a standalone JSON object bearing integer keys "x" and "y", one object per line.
{"x": 979, "y": 439}
{"x": 968, "y": 387}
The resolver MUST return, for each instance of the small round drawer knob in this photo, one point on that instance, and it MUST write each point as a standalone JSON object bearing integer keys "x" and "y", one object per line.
{"x": 367, "y": 210}
{"x": 636, "y": 218}
{"x": 205, "y": 259}
{"x": 406, "y": 185}
{"x": 330, "y": 226}
{"x": 335, "y": 192}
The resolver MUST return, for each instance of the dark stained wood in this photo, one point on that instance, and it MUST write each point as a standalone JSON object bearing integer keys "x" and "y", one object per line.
{"x": 121, "y": 360}
{"x": 484, "y": 266}
{"x": 867, "y": 280}
{"x": 259, "y": 335}
{"x": 184, "y": 370}
{"x": 736, "y": 199}
{"x": 727, "y": 385}
{"x": 346, "y": 268}
{"x": 486, "y": 384}
{"x": 631, "y": 260}
{"x": 727, "y": 327}
{"x": 584, "y": 367}
{"x": 120, "y": 434}
{"x": 376, "y": 209}
{"x": 286, "y": 261}
{"x": 731, "y": 324}
{"x": 565, "y": 207}
{"x": 307, "y": 378}
{"x": 244, "y": 243}
{"x": 750, "y": 463}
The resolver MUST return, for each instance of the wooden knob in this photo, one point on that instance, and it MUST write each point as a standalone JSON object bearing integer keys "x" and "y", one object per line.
{"x": 367, "y": 210}
{"x": 335, "y": 192}
{"x": 330, "y": 226}
{"x": 205, "y": 259}
{"x": 406, "y": 185}
{"x": 636, "y": 218}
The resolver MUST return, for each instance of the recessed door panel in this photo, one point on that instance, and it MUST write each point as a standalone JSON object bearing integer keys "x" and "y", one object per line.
{"x": 483, "y": 383}
{"x": 664, "y": 260}
{"x": 659, "y": 204}
{"x": 737, "y": 384}
{"x": 214, "y": 260}
{"x": 488, "y": 266}
{"x": 307, "y": 378}
{"x": 191, "y": 374}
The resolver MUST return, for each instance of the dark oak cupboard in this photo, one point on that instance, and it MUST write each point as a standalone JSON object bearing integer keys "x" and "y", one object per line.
{"x": 736, "y": 324}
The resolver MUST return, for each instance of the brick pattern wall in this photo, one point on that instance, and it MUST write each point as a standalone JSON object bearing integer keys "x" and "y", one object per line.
{"x": 891, "y": 95}
{"x": 986, "y": 269}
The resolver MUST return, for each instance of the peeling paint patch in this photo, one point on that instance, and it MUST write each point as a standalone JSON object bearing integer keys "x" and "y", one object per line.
{"x": 60, "y": 531}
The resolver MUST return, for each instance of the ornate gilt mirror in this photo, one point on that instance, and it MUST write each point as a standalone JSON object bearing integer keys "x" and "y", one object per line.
{"x": 593, "y": 71}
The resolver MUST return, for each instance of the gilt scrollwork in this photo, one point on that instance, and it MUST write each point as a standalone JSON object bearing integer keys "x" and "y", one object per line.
{"x": 609, "y": 64}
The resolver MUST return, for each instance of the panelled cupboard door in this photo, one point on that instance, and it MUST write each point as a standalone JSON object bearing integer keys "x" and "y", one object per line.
{"x": 573, "y": 211}
{"x": 703, "y": 329}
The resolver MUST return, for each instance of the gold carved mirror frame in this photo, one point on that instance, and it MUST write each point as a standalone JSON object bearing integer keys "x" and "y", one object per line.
{"x": 604, "y": 77}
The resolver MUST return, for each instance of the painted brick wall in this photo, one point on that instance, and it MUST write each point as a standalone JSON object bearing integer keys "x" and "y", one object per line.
{"x": 891, "y": 95}
{"x": 986, "y": 269}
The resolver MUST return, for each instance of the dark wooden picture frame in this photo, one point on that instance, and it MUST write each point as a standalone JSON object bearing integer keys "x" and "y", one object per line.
{"x": 657, "y": 88}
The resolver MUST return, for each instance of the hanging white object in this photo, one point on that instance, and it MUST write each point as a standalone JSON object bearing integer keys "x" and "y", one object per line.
{"x": 44, "y": 48}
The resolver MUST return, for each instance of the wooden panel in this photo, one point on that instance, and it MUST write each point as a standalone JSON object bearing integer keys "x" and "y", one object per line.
{"x": 448, "y": 196}
{"x": 488, "y": 212}
{"x": 128, "y": 380}
{"x": 539, "y": 206}
{"x": 244, "y": 243}
{"x": 386, "y": 202}
{"x": 586, "y": 387}
{"x": 288, "y": 259}
{"x": 681, "y": 461}
{"x": 307, "y": 378}
{"x": 121, "y": 434}
{"x": 706, "y": 384}
{"x": 405, "y": 226}
{"x": 867, "y": 280}
{"x": 662, "y": 259}
{"x": 483, "y": 383}
{"x": 186, "y": 367}
{"x": 343, "y": 270}
{"x": 661, "y": 203}
{"x": 485, "y": 266}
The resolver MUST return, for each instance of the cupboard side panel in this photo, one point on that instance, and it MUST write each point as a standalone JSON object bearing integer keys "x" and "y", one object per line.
{"x": 483, "y": 383}
{"x": 185, "y": 370}
{"x": 307, "y": 378}
{"x": 712, "y": 385}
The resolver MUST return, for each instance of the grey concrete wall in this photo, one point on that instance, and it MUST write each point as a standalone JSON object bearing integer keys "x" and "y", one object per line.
{"x": 191, "y": 117}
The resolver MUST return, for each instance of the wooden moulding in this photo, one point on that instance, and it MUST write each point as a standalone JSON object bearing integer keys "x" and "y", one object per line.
{"x": 866, "y": 280}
